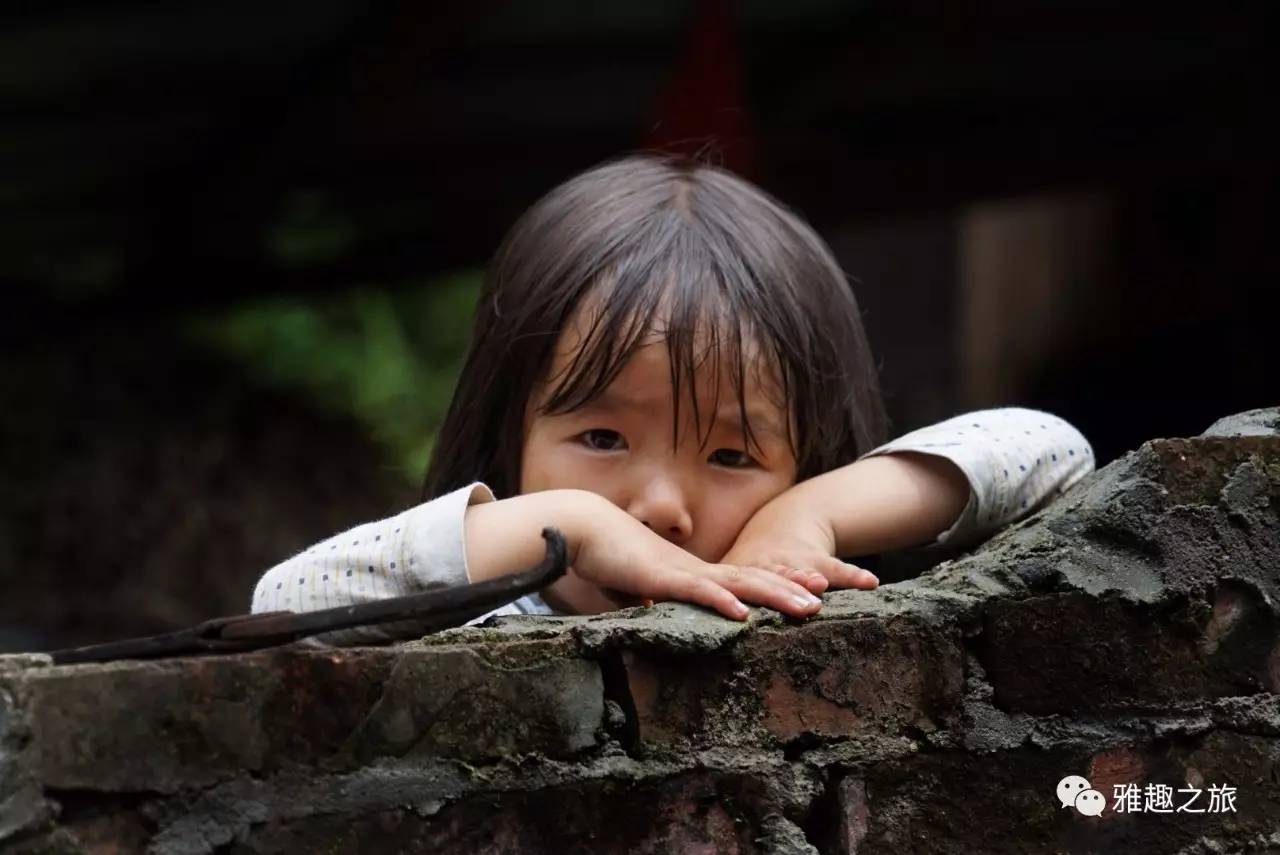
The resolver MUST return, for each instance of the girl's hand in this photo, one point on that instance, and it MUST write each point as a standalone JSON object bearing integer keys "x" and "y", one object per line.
{"x": 614, "y": 551}
{"x": 873, "y": 505}
{"x": 791, "y": 537}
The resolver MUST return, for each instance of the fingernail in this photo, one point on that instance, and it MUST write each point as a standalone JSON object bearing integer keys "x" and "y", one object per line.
{"x": 807, "y": 601}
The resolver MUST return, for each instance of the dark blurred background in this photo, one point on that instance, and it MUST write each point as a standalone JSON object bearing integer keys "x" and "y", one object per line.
{"x": 242, "y": 241}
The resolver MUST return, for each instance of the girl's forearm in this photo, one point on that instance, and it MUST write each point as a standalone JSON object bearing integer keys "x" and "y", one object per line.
{"x": 887, "y": 502}
{"x": 505, "y": 536}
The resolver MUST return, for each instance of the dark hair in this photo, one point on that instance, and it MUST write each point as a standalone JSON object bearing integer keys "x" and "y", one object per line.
{"x": 714, "y": 258}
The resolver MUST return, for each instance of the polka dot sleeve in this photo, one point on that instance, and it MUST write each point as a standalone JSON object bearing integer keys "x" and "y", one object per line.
{"x": 1017, "y": 461}
{"x": 415, "y": 551}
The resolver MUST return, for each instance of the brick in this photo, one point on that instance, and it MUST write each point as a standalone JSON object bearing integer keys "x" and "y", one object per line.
{"x": 180, "y": 723}
{"x": 1117, "y": 766}
{"x": 683, "y": 701}
{"x": 854, "y": 815}
{"x": 163, "y": 726}
{"x": 1097, "y": 654}
{"x": 453, "y": 702}
{"x": 701, "y": 814}
{"x": 852, "y": 677}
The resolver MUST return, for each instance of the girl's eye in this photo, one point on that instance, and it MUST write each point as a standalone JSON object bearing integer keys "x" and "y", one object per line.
{"x": 731, "y": 458}
{"x": 600, "y": 439}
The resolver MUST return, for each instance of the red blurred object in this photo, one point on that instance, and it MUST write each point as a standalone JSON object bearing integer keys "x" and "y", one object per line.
{"x": 702, "y": 107}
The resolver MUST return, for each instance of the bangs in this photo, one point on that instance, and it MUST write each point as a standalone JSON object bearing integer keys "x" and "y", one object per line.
{"x": 674, "y": 286}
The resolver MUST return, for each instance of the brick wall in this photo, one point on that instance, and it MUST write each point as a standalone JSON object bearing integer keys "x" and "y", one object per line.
{"x": 1127, "y": 634}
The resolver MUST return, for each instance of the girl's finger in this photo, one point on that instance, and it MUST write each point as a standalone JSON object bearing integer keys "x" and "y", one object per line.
{"x": 757, "y": 585}
{"x": 693, "y": 588}
{"x": 842, "y": 574}
{"x": 813, "y": 581}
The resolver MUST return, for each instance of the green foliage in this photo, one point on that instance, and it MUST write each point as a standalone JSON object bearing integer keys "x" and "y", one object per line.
{"x": 310, "y": 229}
{"x": 386, "y": 358}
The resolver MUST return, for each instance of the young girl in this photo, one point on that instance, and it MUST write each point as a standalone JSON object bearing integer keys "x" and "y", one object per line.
{"x": 670, "y": 367}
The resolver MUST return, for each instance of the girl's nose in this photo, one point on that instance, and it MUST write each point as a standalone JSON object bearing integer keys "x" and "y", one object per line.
{"x": 661, "y": 505}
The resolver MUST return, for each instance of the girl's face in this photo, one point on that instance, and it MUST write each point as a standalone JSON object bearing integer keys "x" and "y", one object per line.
{"x": 620, "y": 445}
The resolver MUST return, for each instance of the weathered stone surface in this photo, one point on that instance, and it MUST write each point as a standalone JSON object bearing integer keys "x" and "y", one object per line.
{"x": 675, "y": 706}
{"x": 1129, "y": 633}
{"x": 1097, "y": 654}
{"x": 1263, "y": 422}
{"x": 477, "y": 711}
{"x": 674, "y": 627}
{"x": 695, "y": 813}
{"x": 842, "y": 678}
{"x": 927, "y": 804}
{"x": 22, "y": 802}
{"x": 851, "y": 795}
{"x": 182, "y": 723}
